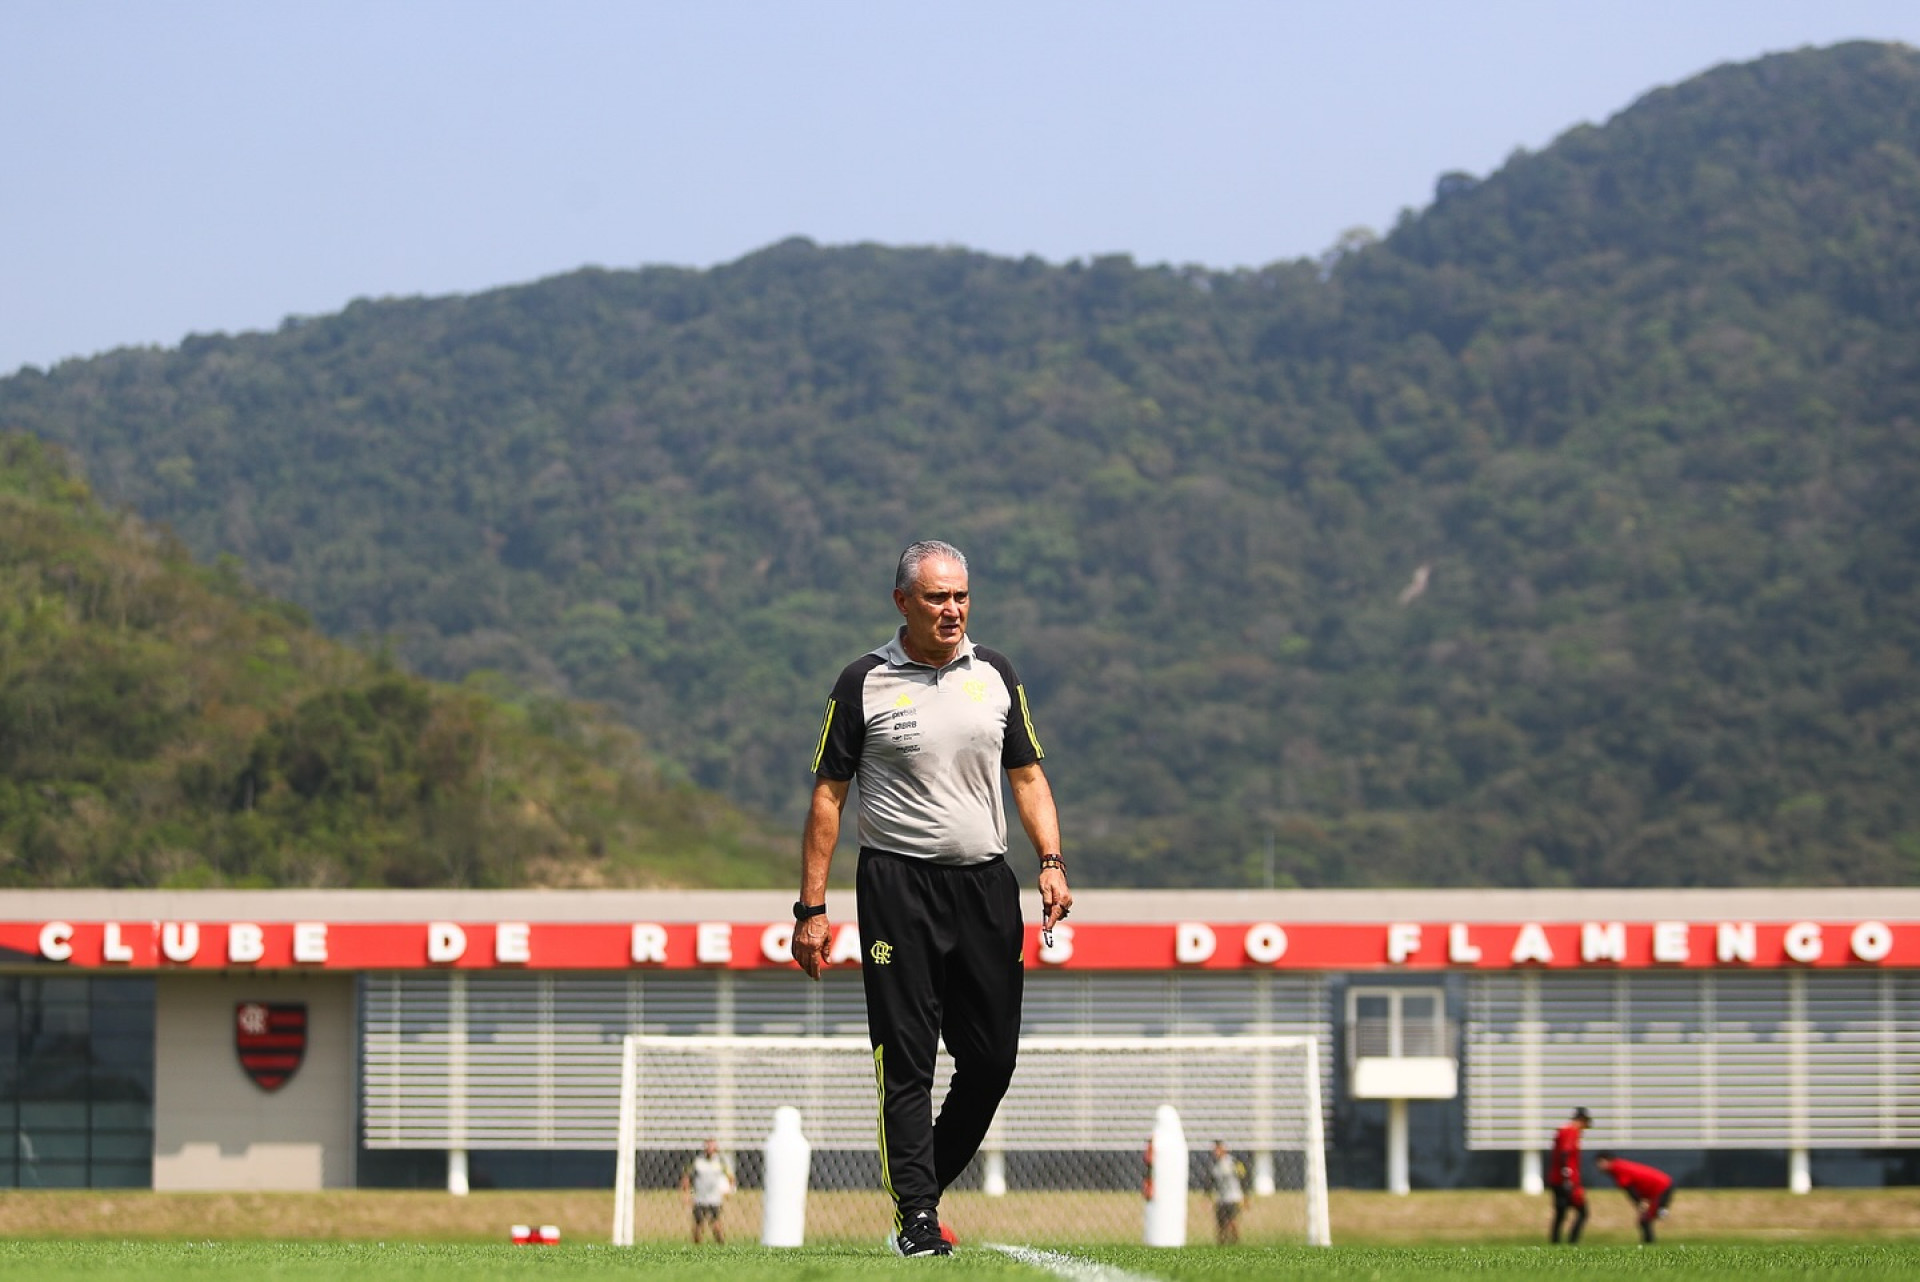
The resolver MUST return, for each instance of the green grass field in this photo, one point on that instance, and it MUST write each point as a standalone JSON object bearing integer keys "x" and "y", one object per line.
{"x": 53, "y": 1260}
{"x": 368, "y": 1235}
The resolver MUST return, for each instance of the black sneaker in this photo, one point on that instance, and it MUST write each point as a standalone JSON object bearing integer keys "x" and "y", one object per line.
{"x": 920, "y": 1235}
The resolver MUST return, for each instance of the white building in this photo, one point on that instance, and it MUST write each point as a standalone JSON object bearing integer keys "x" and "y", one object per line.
{"x": 318, "y": 1039}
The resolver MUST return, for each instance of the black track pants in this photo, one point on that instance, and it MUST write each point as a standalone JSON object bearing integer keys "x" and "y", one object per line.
{"x": 1564, "y": 1200}
{"x": 942, "y": 958}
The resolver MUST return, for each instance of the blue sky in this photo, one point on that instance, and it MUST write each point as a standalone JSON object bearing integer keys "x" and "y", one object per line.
{"x": 197, "y": 167}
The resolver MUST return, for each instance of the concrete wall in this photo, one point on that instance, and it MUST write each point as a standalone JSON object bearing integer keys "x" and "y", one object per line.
{"x": 213, "y": 1128}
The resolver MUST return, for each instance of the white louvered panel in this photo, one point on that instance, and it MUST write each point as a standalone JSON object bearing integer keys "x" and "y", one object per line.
{"x": 1901, "y": 1001}
{"x": 1582, "y": 1036}
{"x": 1751, "y": 1054}
{"x": 589, "y": 1020}
{"x": 1846, "y": 1095}
{"x": 1492, "y": 1069}
{"x": 1722, "y": 1059}
{"x": 541, "y": 1050}
{"x": 1226, "y": 1004}
{"x": 405, "y": 1076}
{"x": 501, "y": 1060}
{"x": 1531, "y": 1061}
{"x": 680, "y": 1002}
{"x": 1065, "y": 1004}
{"x": 1163, "y": 1004}
{"x": 771, "y": 1005}
{"x": 1663, "y": 1065}
{"x": 841, "y": 1002}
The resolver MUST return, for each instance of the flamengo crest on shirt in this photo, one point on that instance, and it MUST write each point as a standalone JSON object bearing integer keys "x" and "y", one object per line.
{"x": 271, "y": 1039}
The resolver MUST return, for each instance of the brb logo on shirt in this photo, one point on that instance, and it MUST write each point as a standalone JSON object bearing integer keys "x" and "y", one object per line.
{"x": 881, "y": 952}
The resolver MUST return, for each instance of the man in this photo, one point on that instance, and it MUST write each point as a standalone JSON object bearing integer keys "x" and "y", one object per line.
{"x": 927, "y": 723}
{"x": 1563, "y": 1177}
{"x": 705, "y": 1185}
{"x": 1229, "y": 1194}
{"x": 1648, "y": 1188}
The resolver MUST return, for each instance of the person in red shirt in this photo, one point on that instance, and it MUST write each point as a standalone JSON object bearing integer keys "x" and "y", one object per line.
{"x": 1648, "y": 1188}
{"x": 1563, "y": 1177}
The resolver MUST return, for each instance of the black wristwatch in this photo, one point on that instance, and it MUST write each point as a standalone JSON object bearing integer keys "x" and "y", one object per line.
{"x": 803, "y": 911}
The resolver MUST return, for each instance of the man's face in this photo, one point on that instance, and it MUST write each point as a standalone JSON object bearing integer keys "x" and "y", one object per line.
{"x": 713, "y": 1146}
{"x": 935, "y": 608}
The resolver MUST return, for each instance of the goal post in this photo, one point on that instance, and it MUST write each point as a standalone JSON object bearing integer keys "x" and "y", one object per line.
{"x": 1063, "y": 1161}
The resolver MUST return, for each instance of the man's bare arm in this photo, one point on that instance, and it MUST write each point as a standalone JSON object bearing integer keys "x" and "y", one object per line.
{"x": 1033, "y": 799}
{"x": 822, "y": 834}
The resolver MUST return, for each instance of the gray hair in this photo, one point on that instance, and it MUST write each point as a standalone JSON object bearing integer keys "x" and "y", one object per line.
{"x": 909, "y": 569}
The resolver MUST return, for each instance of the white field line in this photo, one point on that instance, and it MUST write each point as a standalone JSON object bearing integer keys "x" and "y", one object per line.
{"x": 1069, "y": 1267}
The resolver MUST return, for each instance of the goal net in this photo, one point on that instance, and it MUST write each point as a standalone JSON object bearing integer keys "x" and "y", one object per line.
{"x": 1064, "y": 1163}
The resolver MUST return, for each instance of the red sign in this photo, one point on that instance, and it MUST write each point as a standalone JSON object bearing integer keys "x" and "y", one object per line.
{"x": 1323, "y": 946}
{"x": 271, "y": 1038}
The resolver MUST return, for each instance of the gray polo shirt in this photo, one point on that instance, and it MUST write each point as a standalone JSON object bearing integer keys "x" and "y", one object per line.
{"x": 710, "y": 1179}
{"x": 927, "y": 747}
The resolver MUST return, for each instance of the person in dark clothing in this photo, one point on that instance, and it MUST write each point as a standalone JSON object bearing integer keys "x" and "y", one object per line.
{"x": 1563, "y": 1177}
{"x": 1647, "y": 1187}
{"x": 928, "y": 723}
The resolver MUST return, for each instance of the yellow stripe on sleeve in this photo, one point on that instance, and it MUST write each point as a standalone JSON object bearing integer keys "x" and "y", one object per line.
{"x": 820, "y": 749}
{"x": 1026, "y": 715}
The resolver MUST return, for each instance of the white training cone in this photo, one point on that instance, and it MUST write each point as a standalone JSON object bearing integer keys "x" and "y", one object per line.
{"x": 1167, "y": 1208}
{"x": 783, "y": 1221}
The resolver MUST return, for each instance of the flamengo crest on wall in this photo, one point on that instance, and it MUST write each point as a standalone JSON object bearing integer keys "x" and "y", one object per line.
{"x": 271, "y": 1040}
{"x": 1379, "y": 946}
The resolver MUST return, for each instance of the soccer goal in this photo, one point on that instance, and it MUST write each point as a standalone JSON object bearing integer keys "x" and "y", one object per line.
{"x": 1063, "y": 1165}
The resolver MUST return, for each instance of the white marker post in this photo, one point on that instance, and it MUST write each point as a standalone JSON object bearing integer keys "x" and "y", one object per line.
{"x": 1167, "y": 1208}
{"x": 628, "y": 1137}
{"x": 783, "y": 1220}
{"x": 993, "y": 1172}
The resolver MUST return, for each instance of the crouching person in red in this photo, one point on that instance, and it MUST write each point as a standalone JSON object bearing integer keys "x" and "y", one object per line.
{"x": 1648, "y": 1188}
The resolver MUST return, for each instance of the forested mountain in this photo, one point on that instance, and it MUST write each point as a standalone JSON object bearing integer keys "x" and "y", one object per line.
{"x": 1568, "y": 534}
{"x": 162, "y": 725}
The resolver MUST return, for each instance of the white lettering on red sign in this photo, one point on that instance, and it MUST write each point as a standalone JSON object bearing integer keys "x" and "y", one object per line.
{"x": 713, "y": 943}
{"x": 1670, "y": 944}
{"x": 246, "y": 943}
{"x": 846, "y": 945}
{"x": 114, "y": 949}
{"x": 1265, "y": 943}
{"x": 1603, "y": 942}
{"x": 180, "y": 941}
{"x": 513, "y": 943}
{"x": 1803, "y": 943}
{"x": 1120, "y": 946}
{"x": 1531, "y": 946}
{"x": 649, "y": 944}
{"x": 1871, "y": 941}
{"x": 446, "y": 943}
{"x": 56, "y": 941}
{"x": 310, "y": 942}
{"x": 1061, "y": 950}
{"x": 1193, "y": 943}
{"x": 1734, "y": 941}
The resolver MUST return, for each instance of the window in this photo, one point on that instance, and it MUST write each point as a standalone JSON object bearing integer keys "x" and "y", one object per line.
{"x": 76, "y": 1082}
